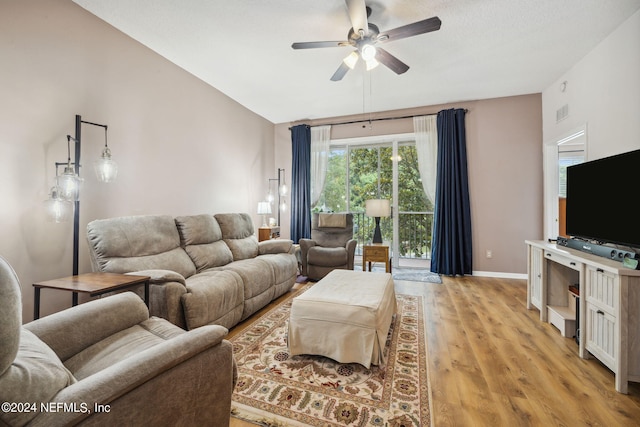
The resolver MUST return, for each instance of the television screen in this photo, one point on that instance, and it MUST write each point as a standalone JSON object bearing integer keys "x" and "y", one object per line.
{"x": 602, "y": 200}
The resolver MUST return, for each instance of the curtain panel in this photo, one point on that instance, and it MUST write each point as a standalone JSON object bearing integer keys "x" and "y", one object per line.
{"x": 452, "y": 244}
{"x": 320, "y": 142}
{"x": 425, "y": 130}
{"x": 300, "y": 182}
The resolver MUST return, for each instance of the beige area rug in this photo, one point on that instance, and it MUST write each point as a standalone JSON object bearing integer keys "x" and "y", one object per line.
{"x": 276, "y": 389}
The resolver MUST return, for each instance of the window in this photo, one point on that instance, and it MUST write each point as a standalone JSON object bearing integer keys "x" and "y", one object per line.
{"x": 364, "y": 169}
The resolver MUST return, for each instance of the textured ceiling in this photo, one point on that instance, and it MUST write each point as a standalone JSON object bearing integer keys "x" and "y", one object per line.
{"x": 484, "y": 49}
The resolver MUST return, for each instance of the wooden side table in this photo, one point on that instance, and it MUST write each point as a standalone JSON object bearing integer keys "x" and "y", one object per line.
{"x": 376, "y": 252}
{"x": 268, "y": 233}
{"x": 90, "y": 283}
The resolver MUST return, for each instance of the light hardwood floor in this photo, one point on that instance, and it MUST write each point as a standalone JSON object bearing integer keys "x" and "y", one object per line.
{"x": 493, "y": 363}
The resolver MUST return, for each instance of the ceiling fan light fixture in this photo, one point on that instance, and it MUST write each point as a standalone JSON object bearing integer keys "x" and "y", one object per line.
{"x": 371, "y": 64}
{"x": 368, "y": 52}
{"x": 351, "y": 60}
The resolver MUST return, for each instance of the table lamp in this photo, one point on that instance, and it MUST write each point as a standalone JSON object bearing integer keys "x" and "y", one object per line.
{"x": 264, "y": 209}
{"x": 377, "y": 208}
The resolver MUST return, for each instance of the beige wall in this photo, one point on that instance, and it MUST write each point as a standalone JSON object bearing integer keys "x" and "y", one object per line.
{"x": 504, "y": 140}
{"x": 603, "y": 96}
{"x": 182, "y": 146}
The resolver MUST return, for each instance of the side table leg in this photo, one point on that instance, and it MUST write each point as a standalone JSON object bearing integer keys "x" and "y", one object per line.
{"x": 36, "y": 303}
{"x": 74, "y": 299}
{"x": 146, "y": 293}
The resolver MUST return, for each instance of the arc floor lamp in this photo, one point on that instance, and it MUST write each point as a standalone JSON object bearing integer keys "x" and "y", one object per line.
{"x": 66, "y": 189}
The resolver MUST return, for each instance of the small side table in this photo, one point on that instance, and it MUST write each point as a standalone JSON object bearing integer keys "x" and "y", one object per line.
{"x": 90, "y": 283}
{"x": 376, "y": 252}
{"x": 268, "y": 233}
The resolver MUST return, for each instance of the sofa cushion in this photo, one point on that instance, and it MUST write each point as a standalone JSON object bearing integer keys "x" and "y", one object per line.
{"x": 201, "y": 237}
{"x": 125, "y": 244}
{"x": 120, "y": 346}
{"x": 198, "y": 229}
{"x": 327, "y": 257}
{"x": 36, "y": 375}
{"x": 10, "y": 315}
{"x": 238, "y": 234}
{"x": 213, "y": 297}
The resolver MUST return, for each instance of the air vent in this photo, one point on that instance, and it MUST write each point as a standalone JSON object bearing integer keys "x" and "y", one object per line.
{"x": 562, "y": 113}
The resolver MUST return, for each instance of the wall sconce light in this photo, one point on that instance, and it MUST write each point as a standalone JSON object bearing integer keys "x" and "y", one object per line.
{"x": 283, "y": 190}
{"x": 65, "y": 194}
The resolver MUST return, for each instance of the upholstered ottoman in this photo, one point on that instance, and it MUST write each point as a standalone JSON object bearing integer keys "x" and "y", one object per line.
{"x": 345, "y": 316}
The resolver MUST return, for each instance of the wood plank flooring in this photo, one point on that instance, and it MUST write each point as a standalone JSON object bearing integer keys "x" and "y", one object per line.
{"x": 493, "y": 363}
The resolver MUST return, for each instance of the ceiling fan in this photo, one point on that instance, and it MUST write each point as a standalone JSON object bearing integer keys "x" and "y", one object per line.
{"x": 364, "y": 36}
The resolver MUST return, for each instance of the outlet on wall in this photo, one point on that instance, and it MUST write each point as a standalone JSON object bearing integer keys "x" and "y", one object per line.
{"x": 489, "y": 253}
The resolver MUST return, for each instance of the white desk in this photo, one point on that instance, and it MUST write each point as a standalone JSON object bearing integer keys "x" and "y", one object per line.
{"x": 609, "y": 303}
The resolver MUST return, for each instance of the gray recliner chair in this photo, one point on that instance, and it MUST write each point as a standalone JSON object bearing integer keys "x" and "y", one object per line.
{"x": 331, "y": 246}
{"x": 138, "y": 370}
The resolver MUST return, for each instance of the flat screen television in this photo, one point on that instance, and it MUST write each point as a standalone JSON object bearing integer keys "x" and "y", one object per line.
{"x": 603, "y": 199}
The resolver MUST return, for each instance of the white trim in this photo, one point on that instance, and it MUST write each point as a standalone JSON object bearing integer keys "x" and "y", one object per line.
{"x": 500, "y": 275}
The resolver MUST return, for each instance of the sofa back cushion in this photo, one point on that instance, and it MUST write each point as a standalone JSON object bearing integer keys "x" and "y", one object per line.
{"x": 201, "y": 238}
{"x": 134, "y": 243}
{"x": 238, "y": 234}
{"x": 326, "y": 232}
{"x": 36, "y": 375}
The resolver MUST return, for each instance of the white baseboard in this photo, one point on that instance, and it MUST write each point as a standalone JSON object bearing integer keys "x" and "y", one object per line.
{"x": 500, "y": 275}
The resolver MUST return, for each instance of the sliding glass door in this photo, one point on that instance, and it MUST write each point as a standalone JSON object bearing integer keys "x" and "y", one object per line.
{"x": 364, "y": 169}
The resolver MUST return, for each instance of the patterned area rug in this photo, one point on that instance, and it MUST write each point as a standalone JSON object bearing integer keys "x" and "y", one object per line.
{"x": 276, "y": 389}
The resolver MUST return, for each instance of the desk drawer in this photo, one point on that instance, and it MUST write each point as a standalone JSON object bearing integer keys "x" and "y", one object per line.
{"x": 373, "y": 253}
{"x": 560, "y": 259}
{"x": 602, "y": 289}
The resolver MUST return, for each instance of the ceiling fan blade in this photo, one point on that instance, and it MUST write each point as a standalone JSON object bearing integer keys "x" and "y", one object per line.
{"x": 409, "y": 30}
{"x": 314, "y": 45}
{"x": 340, "y": 72}
{"x": 393, "y": 63}
{"x": 358, "y": 15}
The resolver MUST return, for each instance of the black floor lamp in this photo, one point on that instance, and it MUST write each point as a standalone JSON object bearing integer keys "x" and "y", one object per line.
{"x": 66, "y": 190}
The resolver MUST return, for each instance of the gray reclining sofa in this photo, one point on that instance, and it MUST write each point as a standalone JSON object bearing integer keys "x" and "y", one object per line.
{"x": 204, "y": 269}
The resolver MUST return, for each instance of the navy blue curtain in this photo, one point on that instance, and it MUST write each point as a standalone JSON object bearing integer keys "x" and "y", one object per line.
{"x": 451, "y": 249}
{"x": 300, "y": 182}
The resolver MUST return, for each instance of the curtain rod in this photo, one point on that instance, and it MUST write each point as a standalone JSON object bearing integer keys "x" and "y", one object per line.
{"x": 376, "y": 120}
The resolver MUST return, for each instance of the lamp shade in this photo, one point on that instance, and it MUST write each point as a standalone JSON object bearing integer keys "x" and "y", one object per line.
{"x": 264, "y": 208}
{"x": 377, "y": 208}
{"x": 105, "y": 168}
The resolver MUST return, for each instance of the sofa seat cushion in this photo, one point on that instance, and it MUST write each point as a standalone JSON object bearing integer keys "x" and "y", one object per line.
{"x": 213, "y": 298}
{"x": 36, "y": 375}
{"x": 120, "y": 346}
{"x": 201, "y": 237}
{"x": 256, "y": 274}
{"x": 284, "y": 266}
{"x": 327, "y": 257}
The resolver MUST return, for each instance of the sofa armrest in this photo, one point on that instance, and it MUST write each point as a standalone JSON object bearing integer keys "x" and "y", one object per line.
{"x": 158, "y": 277}
{"x": 305, "y": 245}
{"x": 351, "y": 252}
{"x": 72, "y": 330}
{"x": 275, "y": 246}
{"x": 152, "y": 387}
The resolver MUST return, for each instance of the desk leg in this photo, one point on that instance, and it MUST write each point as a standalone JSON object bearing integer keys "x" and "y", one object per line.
{"x": 36, "y": 303}
{"x": 74, "y": 299}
